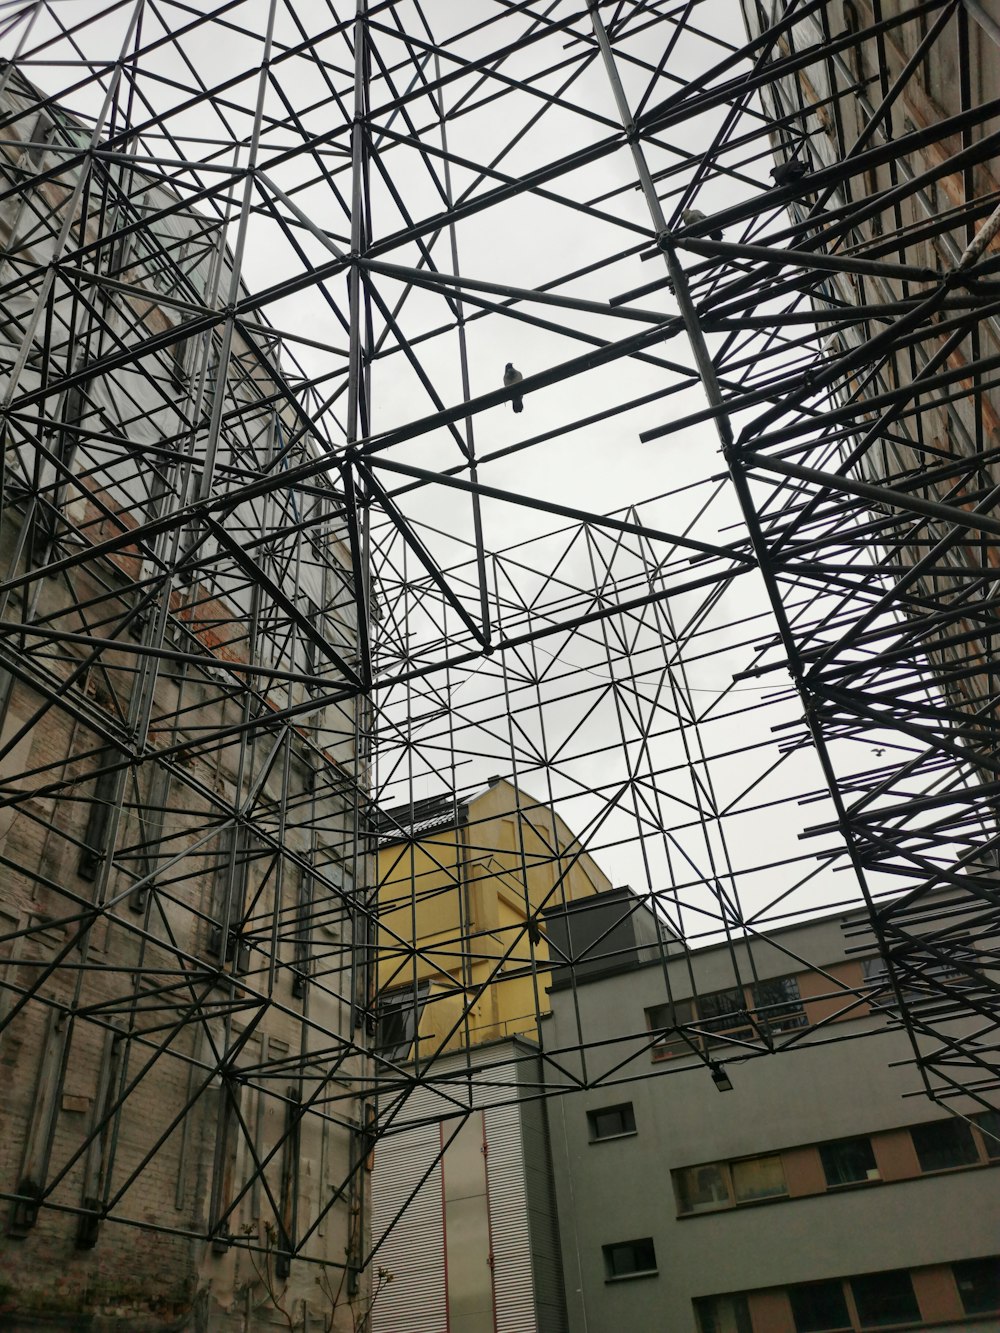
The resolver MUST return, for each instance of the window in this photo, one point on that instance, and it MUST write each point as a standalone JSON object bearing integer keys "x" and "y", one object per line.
{"x": 717, "y": 1015}
{"x": 661, "y": 1018}
{"x": 700, "y": 1188}
{"x": 978, "y": 1282}
{"x": 723, "y": 1314}
{"x": 103, "y": 800}
{"x": 721, "y": 1011}
{"x": 303, "y": 932}
{"x": 734, "y": 1014}
{"x": 915, "y": 988}
{"x": 9, "y": 942}
{"x": 712, "y": 1185}
{"x": 758, "y": 1178}
{"x": 397, "y": 1020}
{"x": 629, "y": 1258}
{"x": 611, "y": 1122}
{"x": 885, "y": 1298}
{"x": 944, "y": 1144}
{"x": 778, "y": 1004}
{"x": 989, "y": 1127}
{"x": 848, "y": 1161}
{"x": 819, "y": 1306}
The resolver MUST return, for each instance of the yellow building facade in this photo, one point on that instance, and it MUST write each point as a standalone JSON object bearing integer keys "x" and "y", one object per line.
{"x": 463, "y": 953}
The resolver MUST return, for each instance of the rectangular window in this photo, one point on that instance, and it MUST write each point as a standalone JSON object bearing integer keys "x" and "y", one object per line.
{"x": 848, "y": 1161}
{"x": 302, "y": 936}
{"x": 702, "y": 1188}
{"x": 989, "y": 1127}
{"x": 723, "y": 1314}
{"x": 915, "y": 990}
{"x": 629, "y": 1258}
{"x": 758, "y": 1178}
{"x": 718, "y": 1015}
{"x": 944, "y": 1144}
{"x": 773, "y": 1005}
{"x": 397, "y": 1021}
{"x": 885, "y": 1298}
{"x": 818, "y": 1307}
{"x": 611, "y": 1122}
{"x": 978, "y": 1282}
{"x": 724, "y": 1011}
{"x": 9, "y": 943}
{"x": 778, "y": 1004}
{"x": 310, "y": 654}
{"x": 102, "y": 801}
{"x": 661, "y": 1018}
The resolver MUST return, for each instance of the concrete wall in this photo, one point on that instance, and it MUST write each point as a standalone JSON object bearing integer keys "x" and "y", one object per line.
{"x": 819, "y": 1089}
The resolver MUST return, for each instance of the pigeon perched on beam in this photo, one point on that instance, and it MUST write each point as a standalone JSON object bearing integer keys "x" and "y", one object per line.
{"x": 510, "y": 378}
{"x": 692, "y": 216}
{"x": 789, "y": 173}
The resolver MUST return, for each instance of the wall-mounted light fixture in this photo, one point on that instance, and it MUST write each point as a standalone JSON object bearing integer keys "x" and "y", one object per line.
{"x": 719, "y": 1077}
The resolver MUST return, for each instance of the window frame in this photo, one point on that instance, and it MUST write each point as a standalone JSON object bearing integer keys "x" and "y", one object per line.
{"x": 973, "y": 1158}
{"x": 707, "y": 1309}
{"x": 745, "y": 1019}
{"x": 611, "y": 1276}
{"x": 626, "y": 1133}
{"x": 990, "y": 1146}
{"x": 908, "y": 1319}
{"x": 994, "y": 1267}
{"x": 869, "y": 1179}
{"x": 408, "y": 1001}
{"x": 726, "y": 1171}
{"x": 680, "y": 1173}
{"x": 802, "y": 1287}
{"x": 790, "y": 1012}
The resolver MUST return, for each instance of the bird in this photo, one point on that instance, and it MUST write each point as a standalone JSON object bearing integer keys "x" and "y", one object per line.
{"x": 692, "y": 216}
{"x": 787, "y": 173}
{"x": 510, "y": 378}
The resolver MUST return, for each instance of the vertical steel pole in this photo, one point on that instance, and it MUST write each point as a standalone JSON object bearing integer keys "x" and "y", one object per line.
{"x": 723, "y": 425}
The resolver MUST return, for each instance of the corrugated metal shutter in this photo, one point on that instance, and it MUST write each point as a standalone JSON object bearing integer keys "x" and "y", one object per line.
{"x": 512, "y": 1267}
{"x": 414, "y": 1301}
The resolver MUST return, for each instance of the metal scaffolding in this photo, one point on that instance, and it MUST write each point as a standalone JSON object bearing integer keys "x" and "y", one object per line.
{"x": 281, "y": 565}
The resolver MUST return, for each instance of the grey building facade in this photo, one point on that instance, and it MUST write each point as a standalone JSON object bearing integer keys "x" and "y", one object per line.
{"x": 702, "y": 1188}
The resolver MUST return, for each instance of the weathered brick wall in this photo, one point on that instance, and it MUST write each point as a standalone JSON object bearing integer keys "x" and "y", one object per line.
{"x": 111, "y": 1087}
{"x": 132, "y": 1277}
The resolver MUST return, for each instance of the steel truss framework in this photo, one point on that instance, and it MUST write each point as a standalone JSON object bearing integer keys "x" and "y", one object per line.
{"x": 279, "y": 556}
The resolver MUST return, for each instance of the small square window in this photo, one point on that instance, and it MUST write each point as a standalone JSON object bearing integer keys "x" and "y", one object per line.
{"x": 629, "y": 1258}
{"x": 944, "y": 1144}
{"x": 978, "y": 1282}
{"x": 989, "y": 1127}
{"x": 611, "y": 1122}
{"x": 758, "y": 1178}
{"x": 848, "y": 1161}
{"x": 818, "y": 1307}
{"x": 701, "y": 1188}
{"x": 723, "y": 1314}
{"x": 883, "y": 1299}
